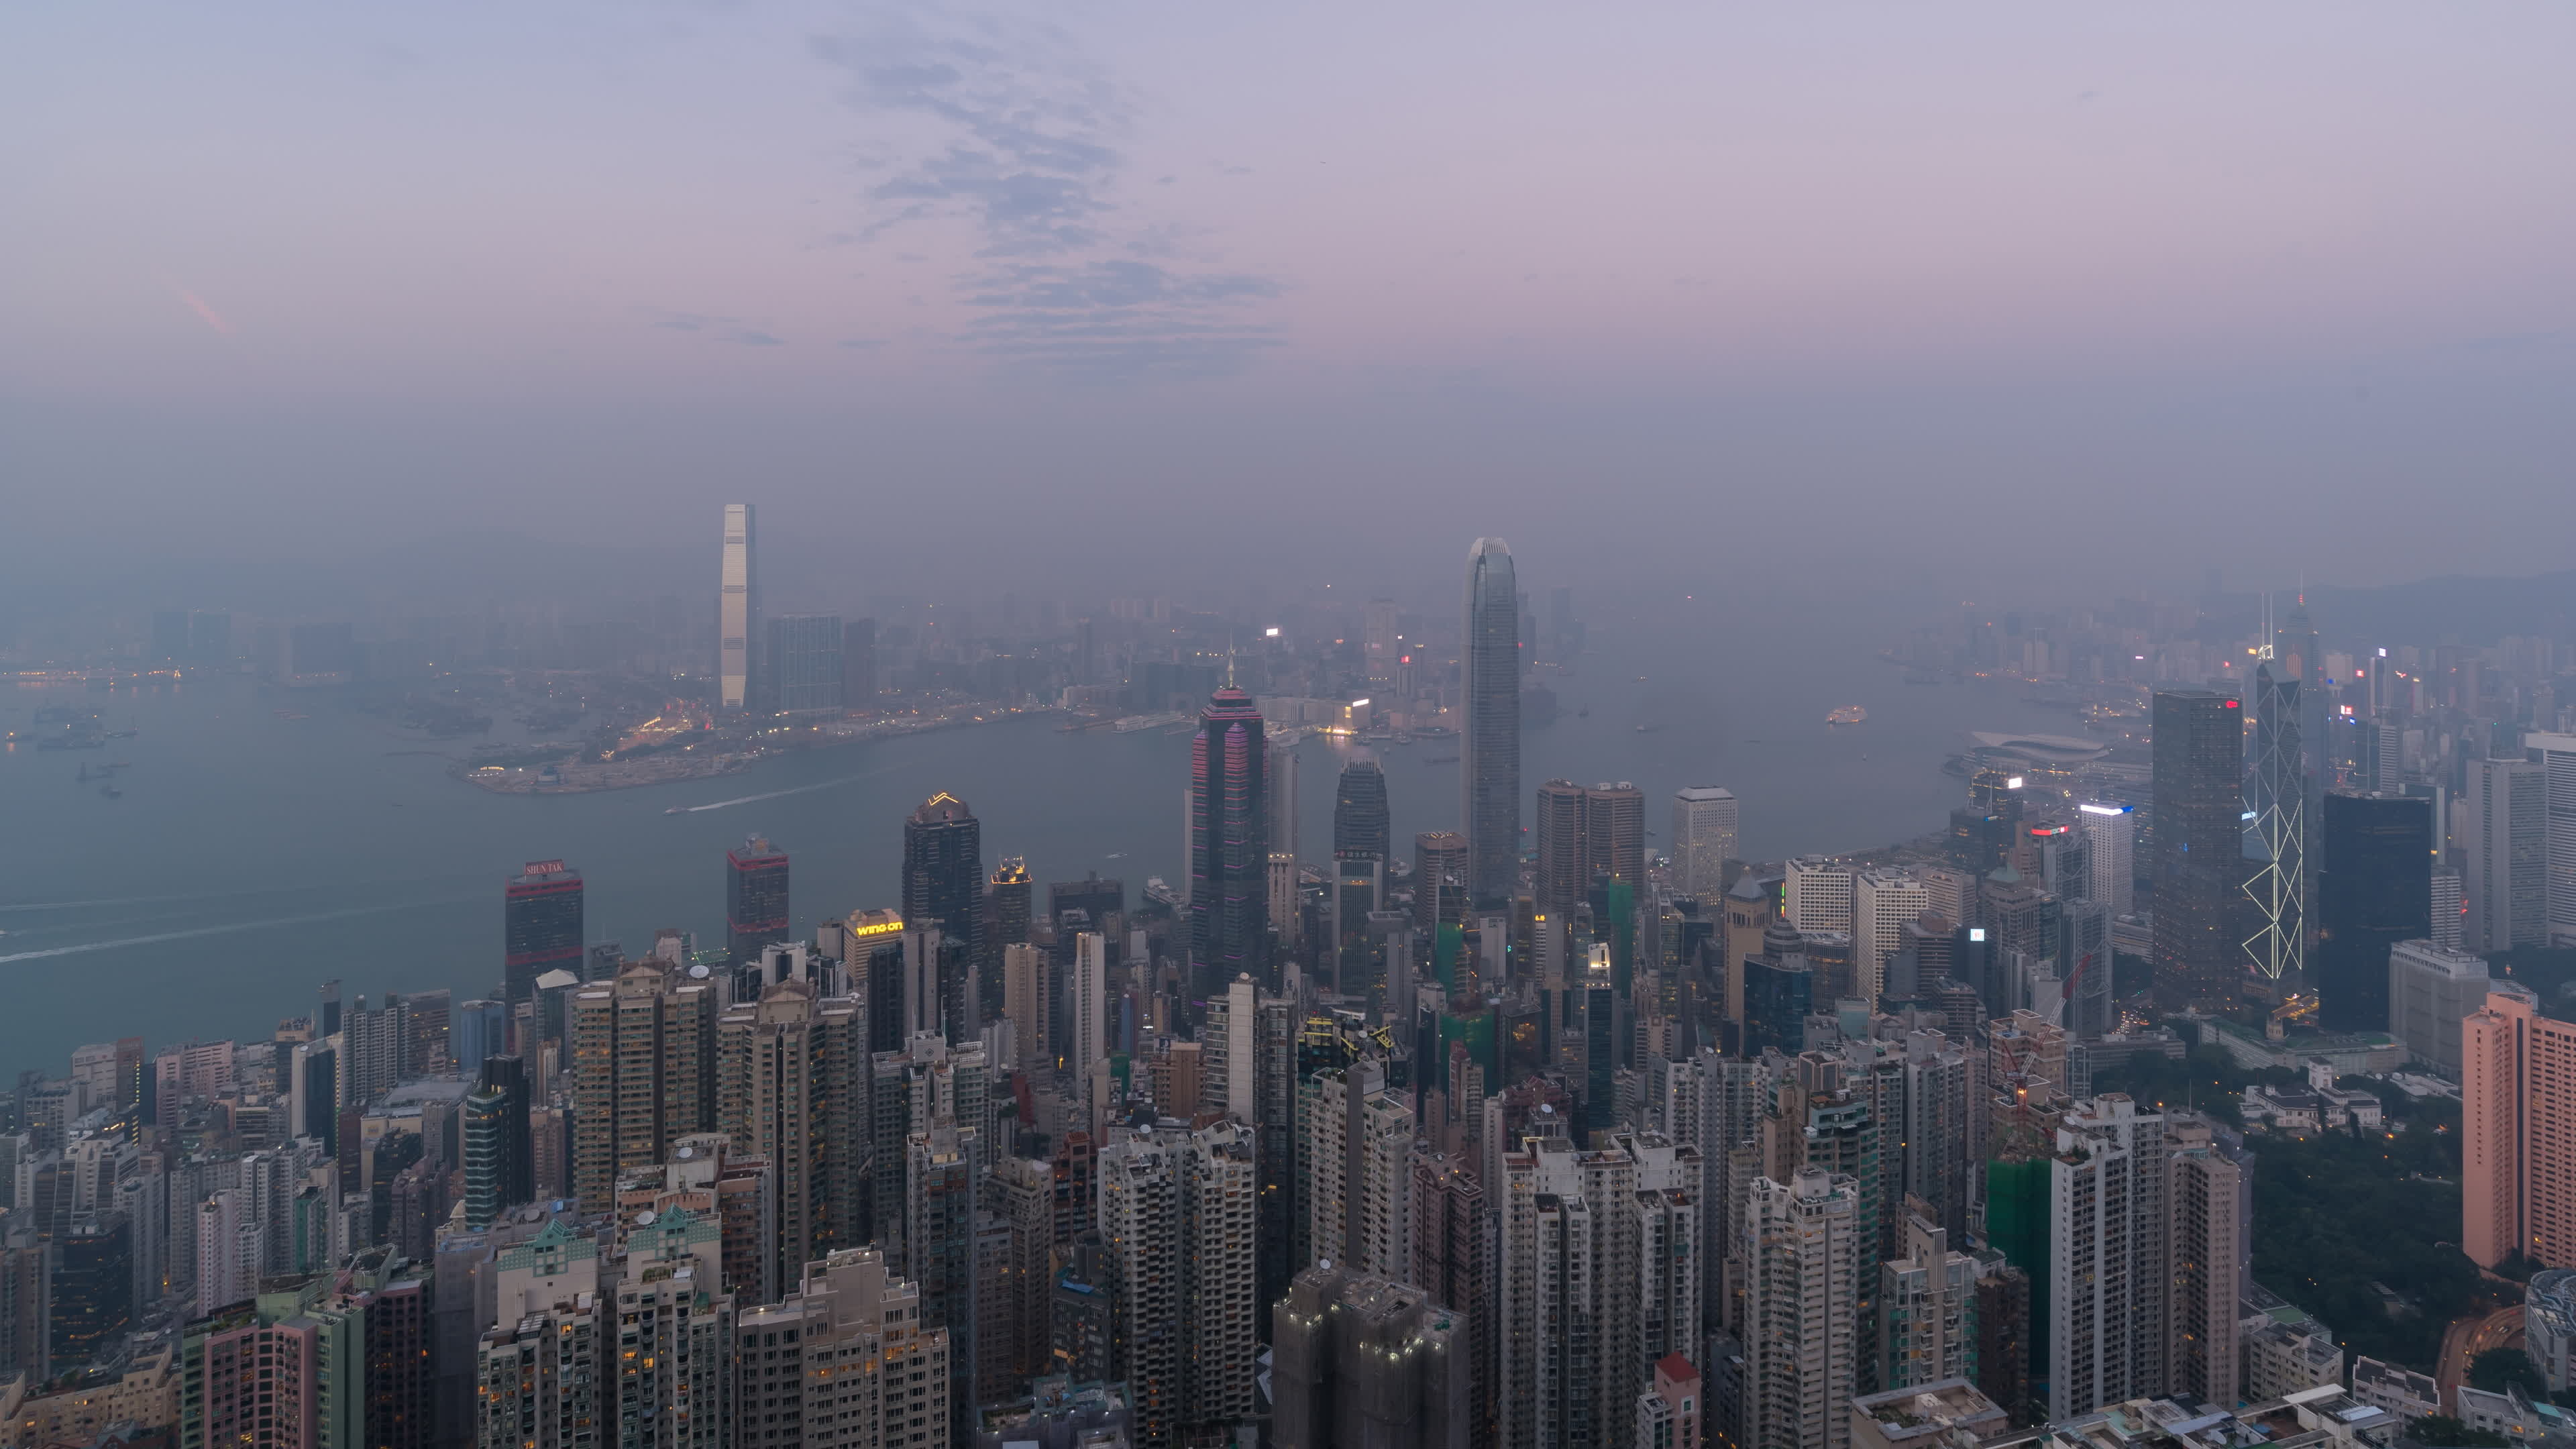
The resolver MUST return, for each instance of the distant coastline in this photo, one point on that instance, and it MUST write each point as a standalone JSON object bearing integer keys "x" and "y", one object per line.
{"x": 568, "y": 776}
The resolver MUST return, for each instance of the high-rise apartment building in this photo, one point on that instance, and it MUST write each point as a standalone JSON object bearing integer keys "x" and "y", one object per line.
{"x": 1883, "y": 903}
{"x": 2203, "y": 1241}
{"x": 1583, "y": 833}
{"x": 2107, "y": 1270}
{"x": 1177, "y": 1217}
{"x": 1229, "y": 905}
{"x": 1087, "y": 1005}
{"x": 800, "y": 663}
{"x": 2374, "y": 889}
{"x": 755, "y": 899}
{"x": 2111, "y": 832}
{"x": 2556, "y": 755}
{"x": 2504, "y": 873}
{"x": 1452, "y": 1263}
{"x": 844, "y": 1361}
{"x": 1363, "y": 1359}
{"x": 737, "y": 612}
{"x": 1439, "y": 881}
{"x": 643, "y": 1069}
{"x": 1802, "y": 1346}
{"x": 1704, "y": 823}
{"x": 943, "y": 870}
{"x": 1027, "y": 1004}
{"x": 1490, "y": 741}
{"x": 1360, "y": 819}
{"x": 1281, "y": 808}
{"x": 792, "y": 1082}
{"x": 541, "y": 926}
{"x": 1927, "y": 1328}
{"x": 1358, "y": 1158}
{"x": 2198, "y": 751}
{"x": 2517, "y": 1132}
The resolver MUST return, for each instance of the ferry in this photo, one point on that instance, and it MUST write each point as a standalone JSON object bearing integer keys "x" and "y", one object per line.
{"x": 1849, "y": 714}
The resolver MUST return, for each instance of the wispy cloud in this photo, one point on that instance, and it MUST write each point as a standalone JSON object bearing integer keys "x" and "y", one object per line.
{"x": 1020, "y": 136}
{"x": 719, "y": 329}
{"x": 197, "y": 304}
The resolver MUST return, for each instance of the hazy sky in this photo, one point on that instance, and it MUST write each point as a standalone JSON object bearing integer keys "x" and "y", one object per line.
{"x": 1774, "y": 292}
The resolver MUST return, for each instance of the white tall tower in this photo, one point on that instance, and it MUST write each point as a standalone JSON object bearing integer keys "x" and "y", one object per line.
{"x": 2111, "y": 833}
{"x": 1801, "y": 1349}
{"x": 1087, "y": 998}
{"x": 1703, "y": 841}
{"x": 737, "y": 611}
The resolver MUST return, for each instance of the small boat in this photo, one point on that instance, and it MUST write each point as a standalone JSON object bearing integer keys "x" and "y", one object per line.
{"x": 677, "y": 810}
{"x": 111, "y": 792}
{"x": 1849, "y": 714}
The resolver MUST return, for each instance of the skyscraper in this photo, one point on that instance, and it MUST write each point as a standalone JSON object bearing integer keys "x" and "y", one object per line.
{"x": 2374, "y": 889}
{"x": 1230, "y": 846}
{"x": 943, "y": 870}
{"x": 2556, "y": 755}
{"x": 755, "y": 899}
{"x": 1176, "y": 1214}
{"x": 540, "y": 926}
{"x": 792, "y": 1081}
{"x": 1883, "y": 901}
{"x": 2505, "y": 876}
{"x": 1556, "y": 830}
{"x": 2276, "y": 847}
{"x": 643, "y": 1069}
{"x": 2198, "y": 749}
{"x": 1703, "y": 839}
{"x": 1584, "y": 833}
{"x": 2111, "y": 833}
{"x": 737, "y": 612}
{"x": 2517, "y": 1132}
{"x": 1360, "y": 820}
{"x": 500, "y": 1172}
{"x": 1490, "y": 743}
{"x": 1283, "y": 801}
{"x": 801, "y": 664}
{"x": 2203, "y": 1239}
{"x": 1439, "y": 881}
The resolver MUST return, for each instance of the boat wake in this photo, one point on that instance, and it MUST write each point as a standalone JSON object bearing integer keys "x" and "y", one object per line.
{"x": 775, "y": 794}
{"x": 194, "y": 932}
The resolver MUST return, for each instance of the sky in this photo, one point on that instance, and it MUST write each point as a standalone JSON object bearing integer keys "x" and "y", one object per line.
{"x": 1776, "y": 296}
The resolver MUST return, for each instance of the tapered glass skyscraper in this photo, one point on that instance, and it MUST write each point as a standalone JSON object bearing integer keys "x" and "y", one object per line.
{"x": 737, "y": 611}
{"x": 1229, "y": 846}
{"x": 1490, "y": 764}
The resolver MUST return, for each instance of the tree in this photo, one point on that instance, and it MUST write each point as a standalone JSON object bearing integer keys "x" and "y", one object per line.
{"x": 2497, "y": 1367}
{"x": 2442, "y": 1431}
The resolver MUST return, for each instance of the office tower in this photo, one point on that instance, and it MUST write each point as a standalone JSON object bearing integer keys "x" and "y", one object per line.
{"x": 500, "y": 1172}
{"x": 481, "y": 1031}
{"x": 2450, "y": 913}
{"x": 1802, "y": 1245}
{"x": 793, "y": 1075}
{"x": 1363, "y": 1359}
{"x": 1010, "y": 894}
{"x": 2374, "y": 889}
{"x": 2431, "y": 990}
{"x": 1490, "y": 742}
{"x": 943, "y": 870}
{"x": 844, "y": 1361}
{"x": 2110, "y": 833}
{"x": 2198, "y": 750}
{"x": 540, "y": 926}
{"x": 2556, "y": 755}
{"x": 800, "y": 662}
{"x": 1282, "y": 805}
{"x": 2276, "y": 844}
{"x": 1229, "y": 846}
{"x": 1556, "y": 832}
{"x": 859, "y": 664}
{"x": 2504, "y": 875}
{"x": 2202, "y": 1239}
{"x": 1357, "y": 1157}
{"x": 1360, "y": 828}
{"x": 1568, "y": 1274}
{"x": 1439, "y": 881}
{"x": 1883, "y": 903}
{"x": 93, "y": 1288}
{"x": 2106, "y": 1265}
{"x": 1703, "y": 841}
{"x": 1818, "y": 895}
{"x": 737, "y": 613}
{"x": 755, "y": 899}
{"x": 1176, "y": 1217}
{"x": 1584, "y": 833}
{"x": 1027, "y": 995}
{"x": 1779, "y": 991}
{"x": 2518, "y": 1132}
{"x": 1926, "y": 1309}
{"x": 643, "y": 1067}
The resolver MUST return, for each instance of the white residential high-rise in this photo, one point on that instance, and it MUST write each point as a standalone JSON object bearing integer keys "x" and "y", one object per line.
{"x": 1883, "y": 901}
{"x": 1802, "y": 1247}
{"x": 1087, "y": 1003}
{"x": 1819, "y": 894}
{"x": 1668, "y": 1208}
{"x": 737, "y": 611}
{"x": 2504, "y": 855}
{"x": 1177, "y": 1215}
{"x": 2556, "y": 754}
{"x": 1358, "y": 1150}
{"x": 1242, "y": 1057}
{"x": 1703, "y": 841}
{"x": 1926, "y": 1310}
{"x": 1567, "y": 1309}
{"x": 860, "y": 1371}
{"x": 2107, "y": 1268}
{"x": 2112, "y": 833}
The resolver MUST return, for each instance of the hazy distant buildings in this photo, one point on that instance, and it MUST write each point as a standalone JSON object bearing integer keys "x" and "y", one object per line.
{"x": 755, "y": 899}
{"x": 2504, "y": 853}
{"x": 737, "y": 612}
{"x": 1703, "y": 840}
{"x": 2198, "y": 748}
{"x": 541, "y": 926}
{"x": 2556, "y": 755}
{"x": 1229, "y": 901}
{"x": 1490, "y": 744}
{"x": 801, "y": 665}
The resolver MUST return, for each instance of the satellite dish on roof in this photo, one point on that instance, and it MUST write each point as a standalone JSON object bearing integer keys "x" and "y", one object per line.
{"x": 644, "y": 1219}
{"x": 698, "y": 972}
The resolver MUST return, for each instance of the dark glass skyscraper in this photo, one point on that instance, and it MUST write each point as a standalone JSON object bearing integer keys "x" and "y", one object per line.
{"x": 2374, "y": 889}
{"x": 1360, "y": 822}
{"x": 540, "y": 926}
{"x": 755, "y": 899}
{"x": 1229, "y": 847}
{"x": 1490, "y": 744}
{"x": 943, "y": 870}
{"x": 2198, "y": 865}
{"x": 801, "y": 664}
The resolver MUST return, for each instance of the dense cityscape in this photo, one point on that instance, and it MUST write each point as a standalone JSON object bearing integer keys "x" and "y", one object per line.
{"x": 2202, "y": 1078}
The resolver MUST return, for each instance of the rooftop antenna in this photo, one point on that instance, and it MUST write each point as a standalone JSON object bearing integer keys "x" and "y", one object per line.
{"x": 1229, "y": 659}
{"x": 2263, "y": 649}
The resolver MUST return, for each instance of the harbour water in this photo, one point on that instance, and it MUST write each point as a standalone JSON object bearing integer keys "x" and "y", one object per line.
{"x": 267, "y": 841}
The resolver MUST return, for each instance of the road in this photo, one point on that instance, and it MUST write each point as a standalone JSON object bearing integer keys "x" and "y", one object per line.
{"x": 2465, "y": 1340}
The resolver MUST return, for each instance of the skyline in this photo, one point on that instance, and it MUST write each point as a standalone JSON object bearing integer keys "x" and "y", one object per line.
{"x": 1727, "y": 271}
